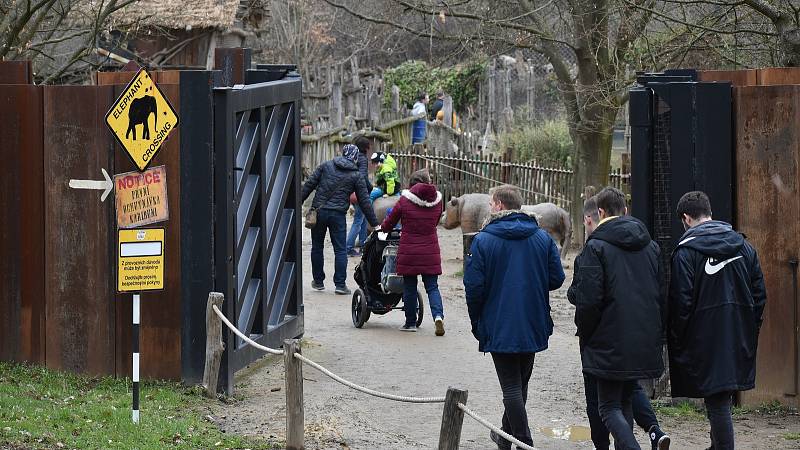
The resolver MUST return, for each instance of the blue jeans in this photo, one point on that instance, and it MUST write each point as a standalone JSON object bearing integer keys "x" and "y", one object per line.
{"x": 358, "y": 229}
{"x": 329, "y": 219}
{"x": 643, "y": 413}
{"x": 410, "y": 297}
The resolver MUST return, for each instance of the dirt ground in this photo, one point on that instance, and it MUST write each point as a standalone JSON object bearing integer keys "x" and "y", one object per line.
{"x": 381, "y": 357}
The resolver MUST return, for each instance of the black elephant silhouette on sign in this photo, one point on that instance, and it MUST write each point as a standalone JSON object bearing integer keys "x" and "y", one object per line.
{"x": 139, "y": 112}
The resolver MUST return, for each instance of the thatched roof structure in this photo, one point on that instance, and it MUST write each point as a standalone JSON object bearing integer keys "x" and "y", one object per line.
{"x": 190, "y": 14}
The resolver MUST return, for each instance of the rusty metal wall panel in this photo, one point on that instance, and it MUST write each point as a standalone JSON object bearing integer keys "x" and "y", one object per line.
{"x": 768, "y": 206}
{"x": 16, "y": 72}
{"x": 22, "y": 305}
{"x": 779, "y": 75}
{"x": 736, "y": 77}
{"x": 160, "y": 347}
{"x": 80, "y": 278}
{"x": 233, "y": 63}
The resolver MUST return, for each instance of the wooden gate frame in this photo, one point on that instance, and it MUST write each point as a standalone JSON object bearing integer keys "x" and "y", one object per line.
{"x": 258, "y": 231}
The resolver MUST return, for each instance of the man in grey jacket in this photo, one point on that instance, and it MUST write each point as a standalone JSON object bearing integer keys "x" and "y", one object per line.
{"x": 333, "y": 182}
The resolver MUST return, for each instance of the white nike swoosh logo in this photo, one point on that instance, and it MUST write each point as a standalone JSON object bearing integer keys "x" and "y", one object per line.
{"x": 711, "y": 269}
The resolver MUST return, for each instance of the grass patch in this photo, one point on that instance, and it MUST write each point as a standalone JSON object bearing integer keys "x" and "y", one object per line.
{"x": 683, "y": 410}
{"x": 792, "y": 436}
{"x": 459, "y": 274}
{"x": 774, "y": 408}
{"x": 41, "y": 408}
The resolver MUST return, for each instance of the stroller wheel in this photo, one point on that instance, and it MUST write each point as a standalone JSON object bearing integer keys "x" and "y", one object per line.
{"x": 358, "y": 309}
{"x": 420, "y": 308}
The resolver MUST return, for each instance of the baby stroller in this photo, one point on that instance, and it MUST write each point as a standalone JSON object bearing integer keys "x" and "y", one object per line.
{"x": 380, "y": 289}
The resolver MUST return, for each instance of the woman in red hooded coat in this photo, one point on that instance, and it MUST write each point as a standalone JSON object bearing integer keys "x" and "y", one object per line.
{"x": 419, "y": 209}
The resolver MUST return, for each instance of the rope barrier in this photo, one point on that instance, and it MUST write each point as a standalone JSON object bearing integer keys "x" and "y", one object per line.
{"x": 350, "y": 384}
{"x": 499, "y": 183}
{"x": 492, "y": 427}
{"x": 241, "y": 335}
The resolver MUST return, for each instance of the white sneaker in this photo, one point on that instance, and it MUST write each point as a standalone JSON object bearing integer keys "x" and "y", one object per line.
{"x": 439, "y": 322}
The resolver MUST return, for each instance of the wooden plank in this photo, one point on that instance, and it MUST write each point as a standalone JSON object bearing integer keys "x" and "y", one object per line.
{"x": 737, "y": 77}
{"x": 22, "y": 271}
{"x": 779, "y": 76}
{"x": 16, "y": 72}
{"x": 78, "y": 235}
{"x": 767, "y": 152}
{"x": 161, "y": 315}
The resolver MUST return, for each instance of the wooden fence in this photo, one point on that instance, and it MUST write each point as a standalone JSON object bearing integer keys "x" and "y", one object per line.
{"x": 456, "y": 174}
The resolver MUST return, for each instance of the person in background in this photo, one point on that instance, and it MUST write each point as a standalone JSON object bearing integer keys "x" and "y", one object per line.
{"x": 419, "y": 209}
{"x": 419, "y": 127}
{"x": 511, "y": 267}
{"x": 334, "y": 181}
{"x": 716, "y": 306}
{"x": 619, "y": 312}
{"x": 440, "y": 118}
{"x": 643, "y": 413}
{"x": 386, "y": 177}
{"x": 438, "y": 104}
{"x": 359, "y": 227}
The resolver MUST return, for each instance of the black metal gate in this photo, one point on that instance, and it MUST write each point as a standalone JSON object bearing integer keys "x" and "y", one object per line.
{"x": 258, "y": 225}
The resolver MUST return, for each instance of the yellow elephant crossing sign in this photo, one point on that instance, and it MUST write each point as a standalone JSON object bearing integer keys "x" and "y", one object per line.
{"x": 141, "y": 119}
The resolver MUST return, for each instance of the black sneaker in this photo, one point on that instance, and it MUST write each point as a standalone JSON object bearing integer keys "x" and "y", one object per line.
{"x": 343, "y": 290}
{"x": 410, "y": 328}
{"x": 317, "y": 286}
{"x": 658, "y": 439}
{"x": 502, "y": 443}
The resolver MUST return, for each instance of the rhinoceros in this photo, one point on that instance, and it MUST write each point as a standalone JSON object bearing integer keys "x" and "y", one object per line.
{"x": 470, "y": 211}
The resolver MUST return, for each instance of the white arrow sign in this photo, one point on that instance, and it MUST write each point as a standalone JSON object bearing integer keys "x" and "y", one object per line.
{"x": 106, "y": 186}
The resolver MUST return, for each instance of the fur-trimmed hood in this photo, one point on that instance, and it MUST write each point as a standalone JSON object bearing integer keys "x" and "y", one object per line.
{"x": 505, "y": 213}
{"x": 424, "y": 195}
{"x": 511, "y": 224}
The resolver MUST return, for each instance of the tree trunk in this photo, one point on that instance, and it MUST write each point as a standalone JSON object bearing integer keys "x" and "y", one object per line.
{"x": 591, "y": 167}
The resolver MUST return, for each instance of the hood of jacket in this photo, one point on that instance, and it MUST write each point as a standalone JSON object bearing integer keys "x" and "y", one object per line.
{"x": 511, "y": 224}
{"x": 423, "y": 194}
{"x": 625, "y": 232}
{"x": 715, "y": 238}
{"x": 388, "y": 165}
{"x": 345, "y": 164}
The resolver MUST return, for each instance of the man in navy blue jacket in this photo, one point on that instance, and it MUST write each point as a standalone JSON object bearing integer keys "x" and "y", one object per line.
{"x": 512, "y": 266}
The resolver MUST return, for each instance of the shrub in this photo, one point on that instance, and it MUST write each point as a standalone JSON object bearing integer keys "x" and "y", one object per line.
{"x": 547, "y": 142}
{"x": 460, "y": 82}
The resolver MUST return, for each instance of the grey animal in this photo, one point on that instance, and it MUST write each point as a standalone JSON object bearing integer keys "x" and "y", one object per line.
{"x": 555, "y": 221}
{"x": 382, "y": 204}
{"x": 139, "y": 112}
{"x": 470, "y": 211}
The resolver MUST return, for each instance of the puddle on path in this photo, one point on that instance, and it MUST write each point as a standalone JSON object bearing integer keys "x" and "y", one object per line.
{"x": 572, "y": 433}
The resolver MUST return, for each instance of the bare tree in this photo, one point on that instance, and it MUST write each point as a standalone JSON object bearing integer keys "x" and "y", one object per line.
{"x": 605, "y": 39}
{"x": 59, "y": 36}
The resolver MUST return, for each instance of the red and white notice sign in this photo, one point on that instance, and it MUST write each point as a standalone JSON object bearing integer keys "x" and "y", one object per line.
{"x": 141, "y": 197}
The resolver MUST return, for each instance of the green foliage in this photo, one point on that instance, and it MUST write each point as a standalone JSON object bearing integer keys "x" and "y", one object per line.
{"x": 684, "y": 410}
{"x": 547, "y": 142}
{"x": 792, "y": 436}
{"x": 412, "y": 77}
{"x": 41, "y": 408}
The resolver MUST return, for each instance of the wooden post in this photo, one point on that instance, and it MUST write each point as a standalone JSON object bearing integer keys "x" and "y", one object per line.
{"x": 452, "y": 419}
{"x": 337, "y": 116}
{"x": 214, "y": 345}
{"x": 448, "y": 111}
{"x": 395, "y": 99}
{"x": 295, "y": 421}
{"x": 531, "y": 94}
{"x": 467, "y": 241}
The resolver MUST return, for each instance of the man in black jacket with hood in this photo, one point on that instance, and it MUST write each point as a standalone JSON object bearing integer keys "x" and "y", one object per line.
{"x": 716, "y": 303}
{"x": 618, "y": 312}
{"x": 333, "y": 182}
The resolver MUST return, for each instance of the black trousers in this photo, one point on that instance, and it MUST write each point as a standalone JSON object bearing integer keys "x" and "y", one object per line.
{"x": 514, "y": 372}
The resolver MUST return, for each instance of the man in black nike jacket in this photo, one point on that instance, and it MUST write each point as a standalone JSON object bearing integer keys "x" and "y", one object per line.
{"x": 716, "y": 304}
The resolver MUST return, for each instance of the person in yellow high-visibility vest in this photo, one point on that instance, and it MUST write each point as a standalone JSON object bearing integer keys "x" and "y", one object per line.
{"x": 386, "y": 178}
